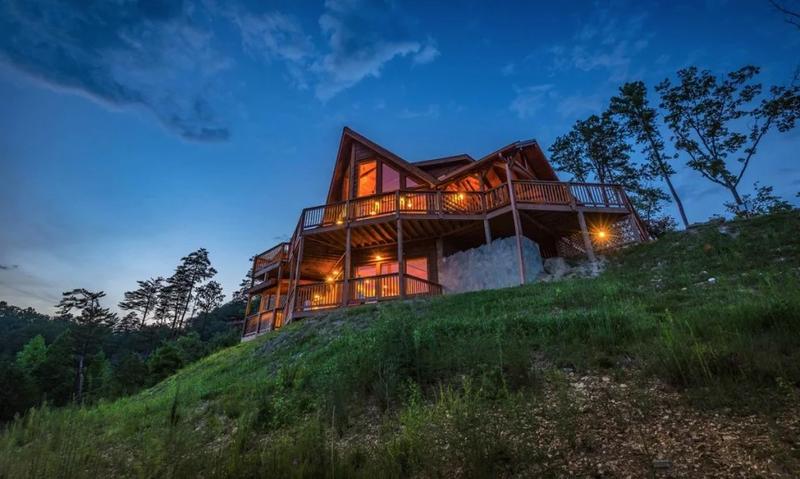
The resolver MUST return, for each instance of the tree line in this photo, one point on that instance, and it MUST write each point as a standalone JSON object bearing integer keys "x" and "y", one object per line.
{"x": 713, "y": 124}
{"x": 86, "y": 352}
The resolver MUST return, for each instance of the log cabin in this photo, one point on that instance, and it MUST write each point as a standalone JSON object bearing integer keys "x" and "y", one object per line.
{"x": 391, "y": 229}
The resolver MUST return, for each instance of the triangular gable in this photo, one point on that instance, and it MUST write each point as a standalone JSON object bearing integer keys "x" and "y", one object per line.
{"x": 441, "y": 167}
{"x": 533, "y": 162}
{"x": 530, "y": 162}
{"x": 349, "y": 137}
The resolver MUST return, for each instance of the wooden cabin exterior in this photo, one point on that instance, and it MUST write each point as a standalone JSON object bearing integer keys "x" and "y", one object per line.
{"x": 388, "y": 226}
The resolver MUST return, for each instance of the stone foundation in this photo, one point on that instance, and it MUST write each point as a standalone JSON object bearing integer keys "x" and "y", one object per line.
{"x": 489, "y": 266}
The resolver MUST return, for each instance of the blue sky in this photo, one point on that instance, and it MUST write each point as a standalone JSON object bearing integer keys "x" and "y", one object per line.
{"x": 135, "y": 132}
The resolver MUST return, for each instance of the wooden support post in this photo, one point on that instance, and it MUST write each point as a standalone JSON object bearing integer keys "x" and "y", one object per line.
{"x": 347, "y": 262}
{"x": 517, "y": 224}
{"x": 296, "y": 279}
{"x": 277, "y": 296}
{"x": 401, "y": 267}
{"x": 487, "y": 231}
{"x": 587, "y": 240}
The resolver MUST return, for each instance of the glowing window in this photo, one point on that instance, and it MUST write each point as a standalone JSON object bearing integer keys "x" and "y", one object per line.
{"x": 365, "y": 271}
{"x": 417, "y": 267}
{"x": 411, "y": 183}
{"x": 390, "y": 179}
{"x": 389, "y": 267}
{"x": 346, "y": 185}
{"x": 367, "y": 178}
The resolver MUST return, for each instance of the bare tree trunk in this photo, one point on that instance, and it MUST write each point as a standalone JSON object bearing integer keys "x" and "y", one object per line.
{"x": 736, "y": 197}
{"x": 79, "y": 392}
{"x": 675, "y": 197}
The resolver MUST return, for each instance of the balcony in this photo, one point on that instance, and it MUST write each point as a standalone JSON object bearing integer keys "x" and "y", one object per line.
{"x": 328, "y": 295}
{"x": 266, "y": 320}
{"x": 270, "y": 258}
{"x": 469, "y": 204}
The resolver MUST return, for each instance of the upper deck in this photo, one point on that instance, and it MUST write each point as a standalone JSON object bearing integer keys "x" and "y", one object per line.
{"x": 433, "y": 204}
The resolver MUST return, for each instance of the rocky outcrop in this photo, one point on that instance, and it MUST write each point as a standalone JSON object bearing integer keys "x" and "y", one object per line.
{"x": 489, "y": 266}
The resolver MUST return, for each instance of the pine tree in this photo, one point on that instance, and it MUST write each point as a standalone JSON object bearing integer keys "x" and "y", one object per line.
{"x": 87, "y": 327}
{"x": 143, "y": 299}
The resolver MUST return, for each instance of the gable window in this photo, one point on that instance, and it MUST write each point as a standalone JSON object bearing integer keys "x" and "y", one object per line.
{"x": 411, "y": 183}
{"x": 367, "y": 178}
{"x": 346, "y": 185}
{"x": 390, "y": 179}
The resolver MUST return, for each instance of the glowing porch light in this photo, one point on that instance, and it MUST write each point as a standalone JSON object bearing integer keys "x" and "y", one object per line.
{"x": 378, "y": 257}
{"x": 461, "y": 197}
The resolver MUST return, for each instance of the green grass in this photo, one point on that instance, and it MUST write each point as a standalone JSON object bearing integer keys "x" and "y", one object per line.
{"x": 445, "y": 386}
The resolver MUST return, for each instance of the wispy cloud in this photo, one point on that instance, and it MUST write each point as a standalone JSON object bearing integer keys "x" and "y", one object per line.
{"x": 531, "y": 99}
{"x": 610, "y": 42}
{"x": 432, "y": 111}
{"x": 362, "y": 37}
{"x": 171, "y": 58}
{"x": 121, "y": 54}
{"x": 428, "y": 53}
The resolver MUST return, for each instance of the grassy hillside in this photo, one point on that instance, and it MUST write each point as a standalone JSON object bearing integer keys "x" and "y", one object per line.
{"x": 682, "y": 359}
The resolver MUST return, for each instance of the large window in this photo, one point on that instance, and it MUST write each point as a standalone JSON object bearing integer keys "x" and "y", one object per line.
{"x": 417, "y": 267}
{"x": 389, "y": 267}
{"x": 365, "y": 271}
{"x": 367, "y": 178}
{"x": 254, "y": 304}
{"x": 346, "y": 185}
{"x": 390, "y": 179}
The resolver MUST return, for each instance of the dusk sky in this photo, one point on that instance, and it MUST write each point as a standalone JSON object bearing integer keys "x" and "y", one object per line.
{"x": 132, "y": 133}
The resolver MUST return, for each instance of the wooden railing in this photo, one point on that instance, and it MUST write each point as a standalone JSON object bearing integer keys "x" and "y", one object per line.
{"x": 497, "y": 197}
{"x": 543, "y": 192}
{"x": 443, "y": 203}
{"x": 265, "y": 320}
{"x": 421, "y": 287}
{"x": 250, "y": 324}
{"x": 312, "y": 297}
{"x": 309, "y": 297}
{"x": 271, "y": 256}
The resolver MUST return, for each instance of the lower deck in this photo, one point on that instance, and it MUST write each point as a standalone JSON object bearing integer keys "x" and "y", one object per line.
{"x": 396, "y": 257}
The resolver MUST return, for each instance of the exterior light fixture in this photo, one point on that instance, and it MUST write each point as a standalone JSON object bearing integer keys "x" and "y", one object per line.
{"x": 378, "y": 257}
{"x": 460, "y": 196}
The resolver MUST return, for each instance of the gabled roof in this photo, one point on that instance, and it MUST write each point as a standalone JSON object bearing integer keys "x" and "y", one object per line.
{"x": 441, "y": 167}
{"x": 446, "y": 160}
{"x": 349, "y": 136}
{"x": 529, "y": 152}
{"x": 454, "y": 166}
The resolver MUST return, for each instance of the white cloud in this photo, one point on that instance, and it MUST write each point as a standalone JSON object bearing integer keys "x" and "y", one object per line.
{"x": 427, "y": 53}
{"x": 361, "y": 38}
{"x": 531, "y": 99}
{"x": 610, "y": 43}
{"x": 432, "y": 111}
{"x": 508, "y": 69}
